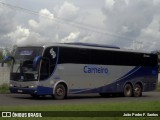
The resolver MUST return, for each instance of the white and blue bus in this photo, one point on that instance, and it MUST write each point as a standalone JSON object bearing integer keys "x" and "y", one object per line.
{"x": 72, "y": 68}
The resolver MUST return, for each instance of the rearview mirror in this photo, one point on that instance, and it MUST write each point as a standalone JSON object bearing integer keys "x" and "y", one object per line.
{"x": 36, "y": 61}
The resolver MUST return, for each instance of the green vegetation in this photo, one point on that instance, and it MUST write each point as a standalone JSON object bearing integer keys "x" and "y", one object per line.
{"x": 123, "y": 106}
{"x": 158, "y": 87}
{"x": 4, "y": 88}
{"x": 111, "y": 106}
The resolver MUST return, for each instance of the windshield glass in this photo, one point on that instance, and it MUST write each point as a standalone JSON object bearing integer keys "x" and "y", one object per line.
{"x": 22, "y": 68}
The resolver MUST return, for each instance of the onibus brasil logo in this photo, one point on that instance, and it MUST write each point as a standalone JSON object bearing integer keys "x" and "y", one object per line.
{"x": 21, "y": 114}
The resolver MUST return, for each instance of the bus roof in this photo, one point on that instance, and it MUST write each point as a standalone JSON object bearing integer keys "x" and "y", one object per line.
{"x": 93, "y": 45}
{"x": 87, "y": 46}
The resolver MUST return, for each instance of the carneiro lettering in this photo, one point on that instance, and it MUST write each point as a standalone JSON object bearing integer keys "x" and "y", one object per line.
{"x": 95, "y": 70}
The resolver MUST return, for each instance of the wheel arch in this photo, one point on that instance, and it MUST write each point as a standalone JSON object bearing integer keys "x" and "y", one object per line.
{"x": 61, "y": 82}
{"x": 128, "y": 82}
{"x": 140, "y": 83}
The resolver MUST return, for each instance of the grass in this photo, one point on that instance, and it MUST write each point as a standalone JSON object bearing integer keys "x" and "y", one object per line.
{"x": 123, "y": 106}
{"x": 158, "y": 87}
{"x": 4, "y": 88}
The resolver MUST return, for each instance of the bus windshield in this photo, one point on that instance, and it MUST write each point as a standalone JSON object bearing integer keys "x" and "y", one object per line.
{"x": 22, "y": 67}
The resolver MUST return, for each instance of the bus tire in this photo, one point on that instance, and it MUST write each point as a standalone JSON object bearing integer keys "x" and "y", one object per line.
{"x": 128, "y": 90}
{"x": 137, "y": 92}
{"x": 60, "y": 92}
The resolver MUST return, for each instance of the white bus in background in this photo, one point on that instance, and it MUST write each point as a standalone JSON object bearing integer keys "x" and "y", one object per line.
{"x": 74, "y": 68}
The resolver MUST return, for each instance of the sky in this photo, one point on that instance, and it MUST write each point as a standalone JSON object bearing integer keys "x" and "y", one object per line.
{"x": 131, "y": 24}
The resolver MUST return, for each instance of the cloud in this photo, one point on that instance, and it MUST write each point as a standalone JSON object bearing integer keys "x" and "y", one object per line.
{"x": 125, "y": 23}
{"x": 152, "y": 34}
{"x": 23, "y": 36}
{"x": 44, "y": 29}
{"x": 71, "y": 37}
{"x": 68, "y": 10}
{"x": 6, "y": 20}
{"x": 109, "y": 3}
{"x": 52, "y": 28}
{"x": 46, "y": 19}
{"x": 7, "y": 24}
{"x": 128, "y": 18}
{"x": 33, "y": 24}
{"x": 19, "y": 35}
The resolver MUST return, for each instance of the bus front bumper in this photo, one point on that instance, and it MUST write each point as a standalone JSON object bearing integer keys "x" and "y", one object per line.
{"x": 23, "y": 90}
{"x": 39, "y": 90}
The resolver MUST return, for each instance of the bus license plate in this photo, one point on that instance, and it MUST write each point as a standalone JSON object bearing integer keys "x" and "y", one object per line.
{"x": 20, "y": 91}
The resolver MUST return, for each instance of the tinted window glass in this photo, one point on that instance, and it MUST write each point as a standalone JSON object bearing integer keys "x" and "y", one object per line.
{"x": 48, "y": 62}
{"x": 106, "y": 57}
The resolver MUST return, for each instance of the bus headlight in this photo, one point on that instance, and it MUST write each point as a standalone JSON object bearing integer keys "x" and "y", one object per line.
{"x": 32, "y": 86}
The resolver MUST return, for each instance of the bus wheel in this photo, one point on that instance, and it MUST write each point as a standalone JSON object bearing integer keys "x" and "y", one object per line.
{"x": 128, "y": 91}
{"x": 137, "y": 92}
{"x": 60, "y": 92}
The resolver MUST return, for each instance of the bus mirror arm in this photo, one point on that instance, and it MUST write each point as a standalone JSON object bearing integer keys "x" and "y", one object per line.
{"x": 7, "y": 59}
{"x": 36, "y": 61}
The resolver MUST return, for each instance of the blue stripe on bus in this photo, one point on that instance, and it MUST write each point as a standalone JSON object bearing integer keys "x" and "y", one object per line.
{"x": 94, "y": 90}
{"x": 132, "y": 76}
{"x": 135, "y": 74}
{"x": 129, "y": 73}
{"x": 41, "y": 90}
{"x": 78, "y": 90}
